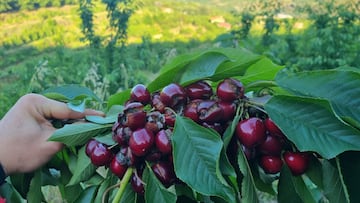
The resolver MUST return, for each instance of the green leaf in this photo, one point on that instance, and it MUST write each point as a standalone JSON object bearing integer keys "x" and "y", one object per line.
{"x": 118, "y": 98}
{"x": 87, "y": 195}
{"x": 350, "y": 167}
{"x": 84, "y": 168}
{"x": 312, "y": 126}
{"x": 248, "y": 188}
{"x": 204, "y": 67}
{"x": 213, "y": 64}
{"x": 78, "y": 134}
{"x": 263, "y": 69}
{"x": 105, "y": 184}
{"x": 111, "y": 115}
{"x": 287, "y": 187}
{"x": 199, "y": 149}
{"x": 21, "y": 182}
{"x": 129, "y": 195}
{"x": 334, "y": 190}
{"x": 8, "y": 192}
{"x": 155, "y": 192}
{"x": 314, "y": 172}
{"x": 77, "y": 105}
{"x": 341, "y": 88}
{"x": 35, "y": 195}
{"x": 70, "y": 92}
{"x": 240, "y": 61}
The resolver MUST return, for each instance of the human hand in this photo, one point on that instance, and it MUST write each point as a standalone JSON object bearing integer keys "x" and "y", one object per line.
{"x": 25, "y": 129}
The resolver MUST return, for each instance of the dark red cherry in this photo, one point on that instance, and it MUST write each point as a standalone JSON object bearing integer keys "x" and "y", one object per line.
{"x": 118, "y": 165}
{"x": 141, "y": 94}
{"x": 230, "y": 90}
{"x": 90, "y": 145}
{"x": 170, "y": 118}
{"x": 218, "y": 127}
{"x": 199, "y": 90}
{"x": 125, "y": 155}
{"x": 271, "y": 146}
{"x": 101, "y": 155}
{"x": 272, "y": 128}
{"x": 190, "y": 110}
{"x": 137, "y": 184}
{"x": 153, "y": 155}
{"x": 157, "y": 103}
{"x": 155, "y": 121}
{"x": 209, "y": 111}
{"x": 250, "y": 153}
{"x": 298, "y": 162}
{"x": 251, "y": 132}
{"x": 135, "y": 116}
{"x": 173, "y": 95}
{"x": 164, "y": 171}
{"x": 229, "y": 109}
{"x": 163, "y": 141}
{"x": 141, "y": 141}
{"x": 122, "y": 135}
{"x": 271, "y": 164}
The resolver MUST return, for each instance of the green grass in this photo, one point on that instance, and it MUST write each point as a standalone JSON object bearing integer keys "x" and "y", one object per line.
{"x": 54, "y": 34}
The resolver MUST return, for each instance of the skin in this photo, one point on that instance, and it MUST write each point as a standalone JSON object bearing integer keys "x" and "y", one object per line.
{"x": 25, "y": 129}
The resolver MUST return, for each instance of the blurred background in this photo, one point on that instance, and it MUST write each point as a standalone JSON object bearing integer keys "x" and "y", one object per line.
{"x": 111, "y": 45}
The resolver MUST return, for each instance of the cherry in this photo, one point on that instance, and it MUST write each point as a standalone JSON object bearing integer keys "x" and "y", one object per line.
{"x": 273, "y": 128}
{"x": 125, "y": 155}
{"x": 163, "y": 142}
{"x": 209, "y": 111}
{"x": 218, "y": 127}
{"x": 190, "y": 110}
{"x": 90, "y": 145}
{"x": 122, "y": 135}
{"x": 271, "y": 164}
{"x": 157, "y": 103}
{"x": 170, "y": 118}
{"x": 271, "y": 146}
{"x": 101, "y": 155}
{"x": 137, "y": 184}
{"x": 199, "y": 90}
{"x": 164, "y": 171}
{"x": 297, "y": 162}
{"x": 155, "y": 121}
{"x": 251, "y": 132}
{"x": 141, "y": 94}
{"x": 230, "y": 90}
{"x": 141, "y": 141}
{"x": 153, "y": 155}
{"x": 173, "y": 95}
{"x": 232, "y": 150}
{"x": 229, "y": 109}
{"x": 135, "y": 116}
{"x": 250, "y": 153}
{"x": 118, "y": 165}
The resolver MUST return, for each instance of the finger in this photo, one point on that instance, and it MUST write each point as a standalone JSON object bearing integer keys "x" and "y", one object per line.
{"x": 59, "y": 110}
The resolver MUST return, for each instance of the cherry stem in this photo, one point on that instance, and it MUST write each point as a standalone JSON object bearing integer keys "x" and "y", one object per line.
{"x": 171, "y": 110}
{"x": 252, "y": 103}
{"x": 123, "y": 183}
{"x": 107, "y": 191}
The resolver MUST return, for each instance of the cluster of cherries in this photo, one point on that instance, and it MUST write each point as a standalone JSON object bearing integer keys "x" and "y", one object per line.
{"x": 144, "y": 128}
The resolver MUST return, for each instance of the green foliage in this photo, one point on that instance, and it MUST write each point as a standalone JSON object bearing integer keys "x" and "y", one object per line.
{"x": 330, "y": 41}
{"x": 16, "y": 5}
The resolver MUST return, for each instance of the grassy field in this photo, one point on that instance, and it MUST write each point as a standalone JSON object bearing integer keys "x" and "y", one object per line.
{"x": 42, "y": 48}
{"x": 29, "y": 38}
